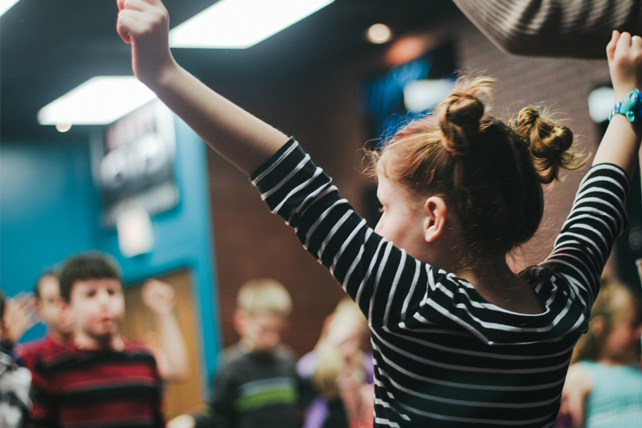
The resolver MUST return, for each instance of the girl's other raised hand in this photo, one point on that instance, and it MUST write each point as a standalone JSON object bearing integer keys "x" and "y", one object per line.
{"x": 624, "y": 54}
{"x": 621, "y": 142}
{"x": 145, "y": 25}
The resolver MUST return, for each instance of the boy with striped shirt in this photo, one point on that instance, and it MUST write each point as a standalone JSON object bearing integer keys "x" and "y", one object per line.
{"x": 257, "y": 385}
{"x": 99, "y": 379}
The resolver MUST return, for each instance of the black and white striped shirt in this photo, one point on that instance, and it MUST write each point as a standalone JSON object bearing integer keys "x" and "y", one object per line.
{"x": 443, "y": 355}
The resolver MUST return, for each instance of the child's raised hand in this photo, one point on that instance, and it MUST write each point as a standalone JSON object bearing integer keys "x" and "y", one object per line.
{"x": 145, "y": 24}
{"x": 20, "y": 316}
{"x": 624, "y": 54}
{"x": 158, "y": 296}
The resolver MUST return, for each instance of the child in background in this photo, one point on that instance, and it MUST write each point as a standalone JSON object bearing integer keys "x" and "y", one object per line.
{"x": 100, "y": 379}
{"x": 170, "y": 353}
{"x": 14, "y": 379}
{"x": 604, "y": 385}
{"x": 257, "y": 385}
{"x": 340, "y": 372}
{"x": 49, "y": 308}
{"x": 458, "y": 338}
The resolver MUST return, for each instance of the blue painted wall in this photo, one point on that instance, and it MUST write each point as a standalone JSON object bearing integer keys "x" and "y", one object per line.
{"x": 49, "y": 209}
{"x": 182, "y": 238}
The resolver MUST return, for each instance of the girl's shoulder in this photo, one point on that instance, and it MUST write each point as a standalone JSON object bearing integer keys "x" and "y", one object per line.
{"x": 551, "y": 285}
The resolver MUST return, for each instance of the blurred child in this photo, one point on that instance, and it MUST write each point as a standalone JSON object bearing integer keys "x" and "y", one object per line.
{"x": 604, "y": 385}
{"x": 340, "y": 372}
{"x": 170, "y": 352}
{"x": 459, "y": 339}
{"x": 14, "y": 380}
{"x": 49, "y": 307}
{"x": 257, "y": 385}
{"x": 100, "y": 379}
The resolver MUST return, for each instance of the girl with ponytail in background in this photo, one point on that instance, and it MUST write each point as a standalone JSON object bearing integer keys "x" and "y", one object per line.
{"x": 458, "y": 338}
{"x": 604, "y": 383}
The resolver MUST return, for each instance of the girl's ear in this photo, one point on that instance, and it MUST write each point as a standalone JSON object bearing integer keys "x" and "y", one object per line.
{"x": 435, "y": 211}
{"x": 597, "y": 325}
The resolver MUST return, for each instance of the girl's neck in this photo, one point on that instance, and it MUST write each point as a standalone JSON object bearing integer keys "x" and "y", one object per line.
{"x": 500, "y": 286}
{"x": 613, "y": 363}
{"x": 618, "y": 360}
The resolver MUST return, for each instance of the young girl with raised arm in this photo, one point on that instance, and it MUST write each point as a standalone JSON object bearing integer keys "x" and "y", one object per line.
{"x": 604, "y": 383}
{"x": 459, "y": 340}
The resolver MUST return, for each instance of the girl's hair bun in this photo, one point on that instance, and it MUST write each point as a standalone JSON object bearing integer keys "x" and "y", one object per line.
{"x": 549, "y": 144}
{"x": 460, "y": 114}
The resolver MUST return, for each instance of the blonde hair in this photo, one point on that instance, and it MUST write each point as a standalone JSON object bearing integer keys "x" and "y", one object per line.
{"x": 329, "y": 359}
{"x": 489, "y": 173}
{"x": 264, "y": 295}
{"x": 612, "y": 302}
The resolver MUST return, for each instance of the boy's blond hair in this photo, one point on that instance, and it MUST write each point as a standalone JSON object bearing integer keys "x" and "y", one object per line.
{"x": 264, "y": 295}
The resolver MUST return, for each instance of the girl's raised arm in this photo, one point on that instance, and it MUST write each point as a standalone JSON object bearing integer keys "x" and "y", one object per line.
{"x": 621, "y": 142}
{"x": 235, "y": 134}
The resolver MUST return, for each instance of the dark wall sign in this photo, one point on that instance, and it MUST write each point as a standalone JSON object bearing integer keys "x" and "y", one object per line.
{"x": 133, "y": 163}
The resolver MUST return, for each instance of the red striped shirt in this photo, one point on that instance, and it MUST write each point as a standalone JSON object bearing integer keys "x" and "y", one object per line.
{"x": 78, "y": 388}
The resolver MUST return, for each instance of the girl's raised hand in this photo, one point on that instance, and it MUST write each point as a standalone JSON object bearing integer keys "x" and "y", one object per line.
{"x": 621, "y": 142}
{"x": 241, "y": 138}
{"x": 145, "y": 25}
{"x": 624, "y": 54}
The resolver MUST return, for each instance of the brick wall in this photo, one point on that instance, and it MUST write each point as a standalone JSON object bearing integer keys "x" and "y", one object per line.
{"x": 250, "y": 242}
{"x": 564, "y": 86}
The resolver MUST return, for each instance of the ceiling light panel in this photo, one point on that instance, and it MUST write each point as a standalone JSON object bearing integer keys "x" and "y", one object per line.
{"x": 5, "y": 5}
{"x": 100, "y": 100}
{"x": 240, "y": 24}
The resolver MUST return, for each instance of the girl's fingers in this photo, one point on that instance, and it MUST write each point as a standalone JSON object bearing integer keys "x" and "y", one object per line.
{"x": 139, "y": 5}
{"x": 623, "y": 43}
{"x": 130, "y": 23}
{"x": 636, "y": 43}
{"x": 123, "y": 26}
{"x": 610, "y": 48}
{"x": 142, "y": 5}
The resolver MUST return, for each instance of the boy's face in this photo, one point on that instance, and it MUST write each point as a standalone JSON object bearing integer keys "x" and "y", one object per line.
{"x": 97, "y": 307}
{"x": 261, "y": 331}
{"x": 50, "y": 306}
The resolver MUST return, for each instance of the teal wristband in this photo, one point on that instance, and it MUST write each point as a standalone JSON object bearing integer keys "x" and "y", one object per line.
{"x": 630, "y": 107}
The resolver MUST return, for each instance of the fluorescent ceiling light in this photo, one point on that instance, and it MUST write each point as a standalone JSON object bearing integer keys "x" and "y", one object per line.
{"x": 100, "y": 100}
{"x": 240, "y": 24}
{"x": 421, "y": 95}
{"x": 5, "y": 5}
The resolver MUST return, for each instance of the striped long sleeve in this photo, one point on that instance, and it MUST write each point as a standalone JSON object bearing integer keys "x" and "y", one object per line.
{"x": 443, "y": 355}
